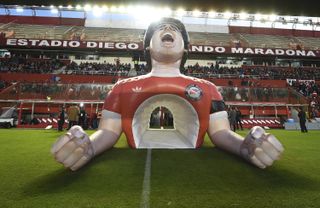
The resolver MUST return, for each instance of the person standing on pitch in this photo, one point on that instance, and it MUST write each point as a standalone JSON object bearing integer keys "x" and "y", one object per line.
{"x": 302, "y": 120}
{"x": 61, "y": 119}
{"x": 238, "y": 119}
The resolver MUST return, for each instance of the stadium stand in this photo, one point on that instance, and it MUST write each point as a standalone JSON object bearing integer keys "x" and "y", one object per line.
{"x": 263, "y": 41}
{"x": 41, "y": 78}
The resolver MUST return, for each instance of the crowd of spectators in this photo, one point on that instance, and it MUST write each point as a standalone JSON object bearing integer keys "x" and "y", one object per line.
{"x": 3, "y": 85}
{"x": 24, "y": 65}
{"x": 58, "y": 91}
{"x": 119, "y": 69}
{"x": 307, "y": 88}
{"x": 311, "y": 90}
{"x": 261, "y": 72}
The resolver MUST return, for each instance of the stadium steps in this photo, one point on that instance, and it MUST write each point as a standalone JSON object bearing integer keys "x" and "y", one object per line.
{"x": 217, "y": 39}
{"x": 309, "y": 42}
{"x": 244, "y": 42}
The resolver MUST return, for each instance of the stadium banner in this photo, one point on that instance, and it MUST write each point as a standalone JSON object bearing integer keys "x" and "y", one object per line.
{"x": 138, "y": 46}
{"x": 51, "y": 43}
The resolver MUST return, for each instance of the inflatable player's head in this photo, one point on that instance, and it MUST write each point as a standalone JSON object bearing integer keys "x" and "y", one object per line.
{"x": 166, "y": 41}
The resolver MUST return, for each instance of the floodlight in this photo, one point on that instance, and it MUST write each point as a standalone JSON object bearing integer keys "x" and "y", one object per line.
{"x": 54, "y": 11}
{"x": 78, "y": 7}
{"x": 212, "y": 14}
{"x": 105, "y": 8}
{"x": 131, "y": 9}
{"x": 314, "y": 19}
{"x": 122, "y": 9}
{"x": 272, "y": 17}
{"x": 258, "y": 16}
{"x": 243, "y": 15}
{"x": 166, "y": 12}
{"x": 19, "y": 9}
{"x": 70, "y": 7}
{"x": 196, "y": 13}
{"x": 87, "y": 7}
{"x": 180, "y": 12}
{"x": 97, "y": 11}
{"x": 227, "y": 15}
{"x": 113, "y": 9}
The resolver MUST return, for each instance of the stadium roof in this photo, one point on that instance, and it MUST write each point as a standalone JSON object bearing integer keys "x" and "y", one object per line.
{"x": 281, "y": 7}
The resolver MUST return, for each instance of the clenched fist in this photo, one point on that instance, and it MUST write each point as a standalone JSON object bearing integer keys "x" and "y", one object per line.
{"x": 261, "y": 148}
{"x": 73, "y": 149}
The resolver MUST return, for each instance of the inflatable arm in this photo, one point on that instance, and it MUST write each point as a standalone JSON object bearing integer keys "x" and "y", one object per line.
{"x": 75, "y": 148}
{"x": 108, "y": 133}
{"x": 258, "y": 147}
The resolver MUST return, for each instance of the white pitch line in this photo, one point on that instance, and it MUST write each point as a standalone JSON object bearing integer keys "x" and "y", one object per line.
{"x": 146, "y": 182}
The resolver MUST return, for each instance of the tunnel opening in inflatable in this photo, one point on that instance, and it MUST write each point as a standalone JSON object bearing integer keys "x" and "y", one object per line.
{"x": 161, "y": 118}
{"x": 183, "y": 132}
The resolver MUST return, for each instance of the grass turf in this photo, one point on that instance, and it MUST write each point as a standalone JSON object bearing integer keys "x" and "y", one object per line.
{"x": 206, "y": 177}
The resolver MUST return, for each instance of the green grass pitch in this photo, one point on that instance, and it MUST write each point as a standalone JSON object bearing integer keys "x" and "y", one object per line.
{"x": 205, "y": 177}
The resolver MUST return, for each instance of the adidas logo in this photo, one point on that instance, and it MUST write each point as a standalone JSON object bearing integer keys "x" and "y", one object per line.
{"x": 137, "y": 89}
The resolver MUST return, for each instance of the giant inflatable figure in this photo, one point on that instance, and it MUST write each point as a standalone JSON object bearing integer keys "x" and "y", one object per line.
{"x": 196, "y": 105}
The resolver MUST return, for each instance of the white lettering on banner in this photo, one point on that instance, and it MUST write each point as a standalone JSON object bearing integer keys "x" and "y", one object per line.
{"x": 22, "y": 42}
{"x": 236, "y": 50}
{"x": 290, "y": 52}
{"x": 196, "y": 48}
{"x": 44, "y": 43}
{"x": 220, "y": 49}
{"x": 310, "y": 53}
{"x": 248, "y": 50}
{"x": 109, "y": 45}
{"x": 136, "y": 46}
{"x": 11, "y": 42}
{"x": 65, "y": 43}
{"x": 279, "y": 52}
{"x": 121, "y": 46}
{"x": 208, "y": 49}
{"x": 56, "y": 43}
{"x": 74, "y": 44}
{"x": 258, "y": 50}
{"x": 91, "y": 44}
{"x": 269, "y": 52}
{"x": 301, "y": 53}
{"x": 34, "y": 42}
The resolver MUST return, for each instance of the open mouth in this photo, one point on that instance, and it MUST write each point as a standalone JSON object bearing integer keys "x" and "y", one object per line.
{"x": 167, "y": 38}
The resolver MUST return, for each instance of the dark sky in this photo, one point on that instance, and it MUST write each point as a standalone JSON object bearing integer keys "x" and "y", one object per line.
{"x": 280, "y": 7}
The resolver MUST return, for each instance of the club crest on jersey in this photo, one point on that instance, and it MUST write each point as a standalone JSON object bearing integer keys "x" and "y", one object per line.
{"x": 193, "y": 92}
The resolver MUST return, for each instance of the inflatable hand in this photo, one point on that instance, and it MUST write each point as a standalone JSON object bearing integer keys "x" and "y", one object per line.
{"x": 261, "y": 148}
{"x": 73, "y": 149}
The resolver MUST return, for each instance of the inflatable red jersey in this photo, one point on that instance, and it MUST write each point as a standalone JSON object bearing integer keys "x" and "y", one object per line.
{"x": 127, "y": 95}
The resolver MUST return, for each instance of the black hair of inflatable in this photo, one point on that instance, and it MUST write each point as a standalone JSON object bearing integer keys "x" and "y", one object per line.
{"x": 153, "y": 27}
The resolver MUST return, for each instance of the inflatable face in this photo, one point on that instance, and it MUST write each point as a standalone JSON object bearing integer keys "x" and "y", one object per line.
{"x": 166, "y": 44}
